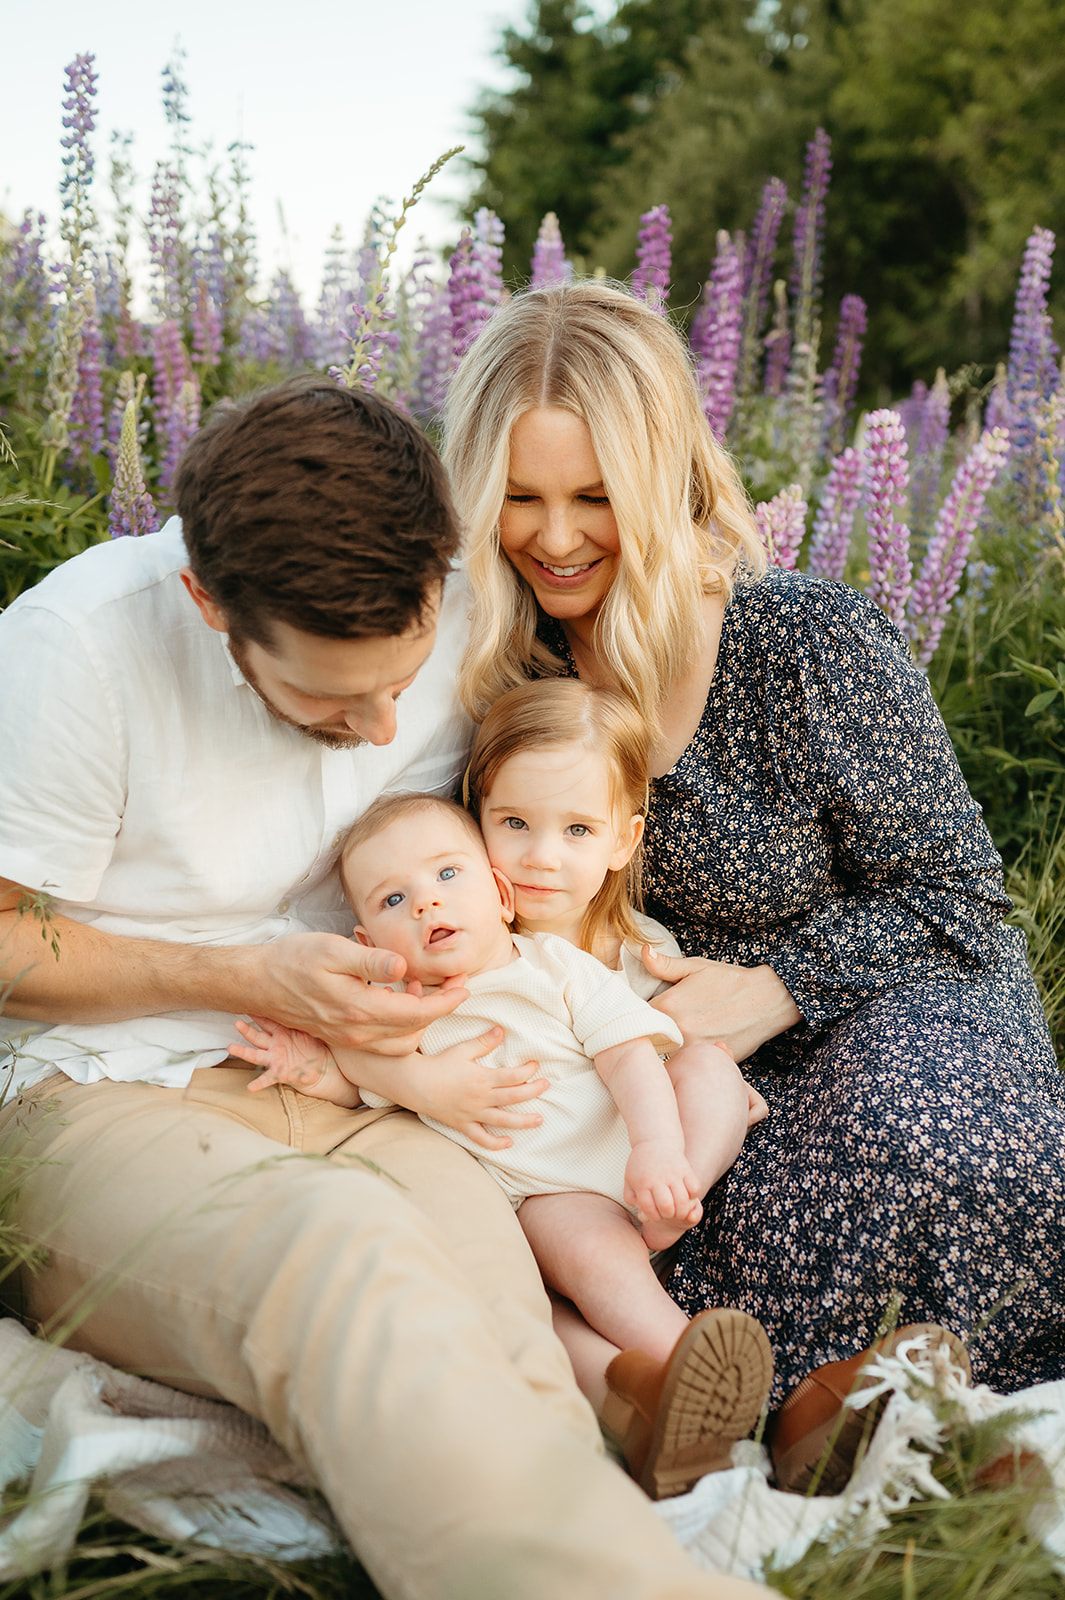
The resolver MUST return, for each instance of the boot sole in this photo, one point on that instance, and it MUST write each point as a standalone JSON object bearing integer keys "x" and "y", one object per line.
{"x": 799, "y": 1465}
{"x": 716, "y": 1386}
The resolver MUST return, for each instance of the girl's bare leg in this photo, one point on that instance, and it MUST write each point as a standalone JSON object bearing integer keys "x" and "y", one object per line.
{"x": 588, "y": 1250}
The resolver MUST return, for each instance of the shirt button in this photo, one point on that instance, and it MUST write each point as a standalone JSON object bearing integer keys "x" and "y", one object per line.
{"x": 283, "y": 907}
{"x": 336, "y": 839}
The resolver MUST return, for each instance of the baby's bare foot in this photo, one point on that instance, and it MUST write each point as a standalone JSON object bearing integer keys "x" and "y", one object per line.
{"x": 660, "y": 1233}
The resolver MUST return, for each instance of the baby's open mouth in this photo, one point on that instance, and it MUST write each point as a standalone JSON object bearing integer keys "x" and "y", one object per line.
{"x": 438, "y": 935}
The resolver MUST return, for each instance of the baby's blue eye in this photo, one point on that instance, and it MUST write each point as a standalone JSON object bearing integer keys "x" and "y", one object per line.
{"x": 446, "y": 873}
{"x": 393, "y": 900}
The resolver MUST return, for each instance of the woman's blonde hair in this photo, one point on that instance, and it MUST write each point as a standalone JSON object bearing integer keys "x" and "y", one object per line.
{"x": 554, "y": 711}
{"x": 684, "y": 522}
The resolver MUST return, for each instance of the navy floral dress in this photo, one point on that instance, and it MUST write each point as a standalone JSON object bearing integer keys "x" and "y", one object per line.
{"x": 818, "y": 821}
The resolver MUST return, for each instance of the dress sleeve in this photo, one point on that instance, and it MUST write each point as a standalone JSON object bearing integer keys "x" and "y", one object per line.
{"x": 919, "y": 892}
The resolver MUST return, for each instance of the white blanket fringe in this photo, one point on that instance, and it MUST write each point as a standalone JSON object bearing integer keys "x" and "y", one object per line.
{"x": 198, "y": 1471}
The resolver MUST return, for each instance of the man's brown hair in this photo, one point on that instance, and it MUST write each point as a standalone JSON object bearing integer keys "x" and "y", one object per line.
{"x": 318, "y": 506}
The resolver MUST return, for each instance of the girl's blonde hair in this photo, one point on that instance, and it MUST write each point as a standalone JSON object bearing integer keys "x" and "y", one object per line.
{"x": 554, "y": 711}
{"x": 684, "y": 522}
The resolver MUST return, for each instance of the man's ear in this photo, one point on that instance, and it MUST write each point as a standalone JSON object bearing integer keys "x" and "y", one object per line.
{"x": 629, "y": 837}
{"x": 211, "y": 613}
{"x": 506, "y": 894}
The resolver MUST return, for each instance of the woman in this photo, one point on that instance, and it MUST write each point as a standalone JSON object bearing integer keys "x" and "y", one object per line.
{"x": 811, "y": 842}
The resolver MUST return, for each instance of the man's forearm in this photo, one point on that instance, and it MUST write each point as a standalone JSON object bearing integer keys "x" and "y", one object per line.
{"x": 91, "y": 976}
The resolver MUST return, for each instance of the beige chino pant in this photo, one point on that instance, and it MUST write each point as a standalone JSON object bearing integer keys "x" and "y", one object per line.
{"x": 379, "y": 1311}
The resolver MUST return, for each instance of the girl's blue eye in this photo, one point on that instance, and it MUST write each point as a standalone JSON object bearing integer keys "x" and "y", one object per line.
{"x": 393, "y": 900}
{"x": 513, "y": 822}
{"x": 446, "y": 874}
{"x": 578, "y": 830}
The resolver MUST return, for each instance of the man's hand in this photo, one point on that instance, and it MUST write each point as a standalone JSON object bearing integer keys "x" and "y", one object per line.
{"x": 321, "y": 983}
{"x": 739, "y": 1007}
{"x": 455, "y": 1088}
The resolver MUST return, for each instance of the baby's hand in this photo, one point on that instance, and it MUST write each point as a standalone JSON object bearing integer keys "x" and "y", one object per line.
{"x": 287, "y": 1055}
{"x": 455, "y": 1088}
{"x": 660, "y": 1184}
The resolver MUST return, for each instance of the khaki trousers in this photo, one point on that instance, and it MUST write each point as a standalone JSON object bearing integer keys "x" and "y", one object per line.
{"x": 379, "y": 1311}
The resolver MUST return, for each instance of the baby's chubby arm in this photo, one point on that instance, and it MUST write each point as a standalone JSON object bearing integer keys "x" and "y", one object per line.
{"x": 659, "y": 1180}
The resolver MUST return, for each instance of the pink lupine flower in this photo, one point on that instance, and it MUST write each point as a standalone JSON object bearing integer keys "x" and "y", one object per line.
{"x": 952, "y": 537}
{"x": 782, "y": 523}
{"x": 834, "y": 521}
{"x": 887, "y": 486}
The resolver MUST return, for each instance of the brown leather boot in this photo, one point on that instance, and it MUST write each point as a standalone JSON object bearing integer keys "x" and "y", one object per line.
{"x": 677, "y": 1420}
{"x": 813, "y": 1426}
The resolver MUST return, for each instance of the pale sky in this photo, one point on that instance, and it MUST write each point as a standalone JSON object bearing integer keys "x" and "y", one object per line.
{"x": 343, "y": 102}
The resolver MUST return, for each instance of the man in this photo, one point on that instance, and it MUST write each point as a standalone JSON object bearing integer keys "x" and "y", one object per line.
{"x": 199, "y": 716}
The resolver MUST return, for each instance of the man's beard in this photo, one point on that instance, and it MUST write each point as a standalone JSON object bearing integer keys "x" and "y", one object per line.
{"x": 332, "y": 738}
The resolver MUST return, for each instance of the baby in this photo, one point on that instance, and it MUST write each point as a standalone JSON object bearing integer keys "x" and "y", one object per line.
{"x": 608, "y": 1150}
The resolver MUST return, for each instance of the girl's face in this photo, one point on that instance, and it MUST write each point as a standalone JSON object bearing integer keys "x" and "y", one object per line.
{"x": 557, "y": 526}
{"x": 552, "y": 829}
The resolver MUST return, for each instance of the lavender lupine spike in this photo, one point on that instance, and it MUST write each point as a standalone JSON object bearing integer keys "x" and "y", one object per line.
{"x": 171, "y": 372}
{"x": 841, "y": 378}
{"x": 181, "y": 424}
{"x": 887, "y": 488}
{"x": 782, "y": 524}
{"x": 549, "y": 254}
{"x": 809, "y": 238}
{"x": 86, "y": 422}
{"x": 204, "y": 315}
{"x": 488, "y": 245}
{"x": 716, "y": 333}
{"x": 1032, "y": 375}
{"x": 468, "y": 295}
{"x": 164, "y": 242}
{"x": 778, "y": 342}
{"x": 758, "y": 279}
{"x": 131, "y": 511}
{"x": 24, "y": 302}
{"x": 437, "y": 352}
{"x": 654, "y": 261}
{"x": 933, "y": 430}
{"x": 293, "y": 338}
{"x": 366, "y": 339}
{"x": 834, "y": 521}
{"x": 77, "y": 217}
{"x": 336, "y": 291}
{"x": 952, "y": 537}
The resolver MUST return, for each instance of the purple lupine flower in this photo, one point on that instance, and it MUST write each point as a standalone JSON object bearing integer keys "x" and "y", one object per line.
{"x": 206, "y": 309}
{"x": 758, "y": 278}
{"x": 911, "y": 410}
{"x": 952, "y": 537}
{"x": 171, "y": 372}
{"x": 258, "y": 336}
{"x": 1032, "y": 375}
{"x": 86, "y": 421}
{"x": 809, "y": 238}
{"x": 182, "y": 422}
{"x": 841, "y": 379}
{"x": 336, "y": 291}
{"x": 715, "y": 336}
{"x": 887, "y": 487}
{"x": 25, "y": 304}
{"x": 437, "y": 352}
{"x": 468, "y": 295}
{"x": 932, "y": 434}
{"x": 778, "y": 343}
{"x": 782, "y": 523}
{"x": 834, "y": 521}
{"x": 294, "y": 341}
{"x": 488, "y": 248}
{"x": 131, "y": 511}
{"x": 654, "y": 260}
{"x": 80, "y": 120}
{"x": 164, "y": 242}
{"x": 549, "y": 254}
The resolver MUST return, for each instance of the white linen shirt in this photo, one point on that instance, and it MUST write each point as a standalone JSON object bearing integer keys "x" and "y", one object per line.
{"x": 146, "y": 788}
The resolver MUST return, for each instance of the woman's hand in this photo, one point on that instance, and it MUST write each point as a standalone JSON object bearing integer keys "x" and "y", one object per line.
{"x": 739, "y": 1007}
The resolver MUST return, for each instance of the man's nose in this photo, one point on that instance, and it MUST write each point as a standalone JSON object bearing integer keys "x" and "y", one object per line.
{"x": 376, "y": 721}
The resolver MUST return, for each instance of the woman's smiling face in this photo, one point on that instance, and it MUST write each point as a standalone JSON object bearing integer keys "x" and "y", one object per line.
{"x": 557, "y": 526}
